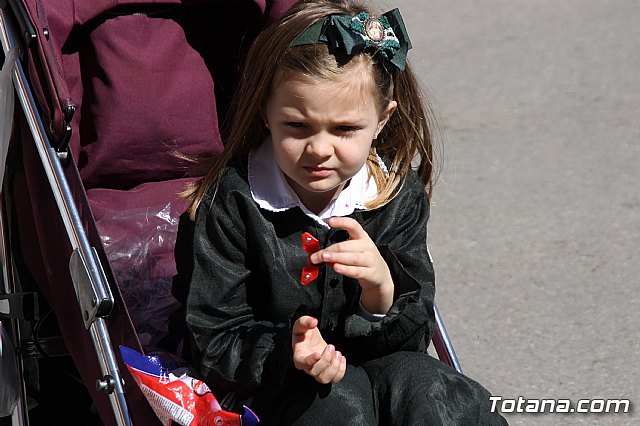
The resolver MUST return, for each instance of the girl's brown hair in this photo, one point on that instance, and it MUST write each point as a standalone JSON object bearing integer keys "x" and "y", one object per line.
{"x": 406, "y": 137}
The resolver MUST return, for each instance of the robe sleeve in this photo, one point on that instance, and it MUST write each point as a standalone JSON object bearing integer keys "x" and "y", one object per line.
{"x": 410, "y": 322}
{"x": 231, "y": 349}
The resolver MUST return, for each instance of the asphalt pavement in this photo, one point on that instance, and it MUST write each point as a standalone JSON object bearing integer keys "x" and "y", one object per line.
{"x": 535, "y": 227}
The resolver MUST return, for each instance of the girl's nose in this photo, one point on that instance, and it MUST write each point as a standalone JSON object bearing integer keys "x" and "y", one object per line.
{"x": 320, "y": 146}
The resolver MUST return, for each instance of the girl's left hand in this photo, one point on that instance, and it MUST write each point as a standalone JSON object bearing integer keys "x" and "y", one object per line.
{"x": 313, "y": 355}
{"x": 360, "y": 259}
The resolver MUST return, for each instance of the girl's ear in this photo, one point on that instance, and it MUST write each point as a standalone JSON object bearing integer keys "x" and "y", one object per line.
{"x": 386, "y": 115}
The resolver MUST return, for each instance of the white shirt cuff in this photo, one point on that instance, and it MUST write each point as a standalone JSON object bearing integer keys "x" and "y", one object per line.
{"x": 368, "y": 315}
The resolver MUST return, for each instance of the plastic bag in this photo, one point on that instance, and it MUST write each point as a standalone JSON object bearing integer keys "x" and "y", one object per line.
{"x": 9, "y": 379}
{"x": 177, "y": 397}
{"x": 6, "y": 106}
{"x": 139, "y": 244}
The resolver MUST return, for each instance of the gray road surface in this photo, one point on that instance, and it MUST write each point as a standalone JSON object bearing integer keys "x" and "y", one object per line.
{"x": 535, "y": 227}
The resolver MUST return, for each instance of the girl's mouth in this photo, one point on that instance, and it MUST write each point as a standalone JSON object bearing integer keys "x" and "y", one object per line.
{"x": 318, "y": 171}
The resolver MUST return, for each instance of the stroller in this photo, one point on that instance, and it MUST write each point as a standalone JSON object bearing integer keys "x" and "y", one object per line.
{"x": 107, "y": 94}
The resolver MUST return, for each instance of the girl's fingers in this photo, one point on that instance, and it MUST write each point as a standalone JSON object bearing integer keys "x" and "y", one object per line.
{"x": 332, "y": 374}
{"x": 353, "y": 259}
{"x": 328, "y": 367}
{"x": 350, "y": 225}
{"x": 308, "y": 362}
{"x": 308, "y": 322}
{"x": 355, "y": 272}
{"x": 304, "y": 324}
{"x": 324, "y": 361}
{"x": 350, "y": 246}
{"x": 341, "y": 370}
{"x": 305, "y": 362}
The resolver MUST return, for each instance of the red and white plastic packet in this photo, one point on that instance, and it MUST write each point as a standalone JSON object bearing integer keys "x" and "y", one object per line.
{"x": 178, "y": 398}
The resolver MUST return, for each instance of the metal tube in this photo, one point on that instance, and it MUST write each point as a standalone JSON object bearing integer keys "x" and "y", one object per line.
{"x": 107, "y": 360}
{"x": 445, "y": 339}
{"x": 71, "y": 219}
{"x": 40, "y": 138}
{"x": 20, "y": 416}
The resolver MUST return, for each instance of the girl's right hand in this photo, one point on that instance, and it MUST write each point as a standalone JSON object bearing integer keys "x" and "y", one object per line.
{"x": 312, "y": 355}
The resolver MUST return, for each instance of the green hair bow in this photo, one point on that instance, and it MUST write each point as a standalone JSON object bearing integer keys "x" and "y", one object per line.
{"x": 351, "y": 35}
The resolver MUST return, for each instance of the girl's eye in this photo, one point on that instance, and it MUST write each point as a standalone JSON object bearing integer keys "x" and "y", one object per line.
{"x": 346, "y": 129}
{"x": 296, "y": 125}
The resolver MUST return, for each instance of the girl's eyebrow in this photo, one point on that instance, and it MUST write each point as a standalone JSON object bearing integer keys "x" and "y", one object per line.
{"x": 349, "y": 122}
{"x": 333, "y": 123}
{"x": 289, "y": 113}
{"x": 295, "y": 113}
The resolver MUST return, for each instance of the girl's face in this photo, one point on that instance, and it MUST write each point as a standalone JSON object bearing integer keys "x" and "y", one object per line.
{"x": 322, "y": 132}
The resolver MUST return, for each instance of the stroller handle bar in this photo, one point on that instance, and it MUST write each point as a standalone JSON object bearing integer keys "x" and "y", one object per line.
{"x": 442, "y": 343}
{"x": 92, "y": 289}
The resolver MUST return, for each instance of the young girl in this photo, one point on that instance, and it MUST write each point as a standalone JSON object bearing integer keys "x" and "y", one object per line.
{"x": 310, "y": 287}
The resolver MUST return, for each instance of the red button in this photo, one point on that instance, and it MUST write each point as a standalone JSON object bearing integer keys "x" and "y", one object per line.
{"x": 310, "y": 271}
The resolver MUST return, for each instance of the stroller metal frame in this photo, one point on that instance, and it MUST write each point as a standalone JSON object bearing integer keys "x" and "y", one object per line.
{"x": 90, "y": 282}
{"x": 92, "y": 289}
{"x": 20, "y": 414}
